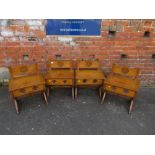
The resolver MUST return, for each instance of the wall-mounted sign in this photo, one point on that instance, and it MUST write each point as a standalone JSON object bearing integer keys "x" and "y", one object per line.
{"x": 88, "y": 27}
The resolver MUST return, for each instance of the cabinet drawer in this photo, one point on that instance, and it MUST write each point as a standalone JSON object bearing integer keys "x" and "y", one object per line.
{"x": 59, "y": 82}
{"x": 88, "y": 82}
{"x": 28, "y": 90}
{"x": 120, "y": 91}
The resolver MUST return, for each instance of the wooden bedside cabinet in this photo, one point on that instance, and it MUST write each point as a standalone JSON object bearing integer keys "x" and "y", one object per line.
{"x": 122, "y": 81}
{"x": 60, "y": 74}
{"x": 25, "y": 80}
{"x": 88, "y": 74}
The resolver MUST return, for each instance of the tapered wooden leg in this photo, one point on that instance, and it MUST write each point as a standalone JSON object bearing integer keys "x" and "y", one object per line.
{"x": 104, "y": 95}
{"x": 131, "y": 106}
{"x": 100, "y": 92}
{"x": 73, "y": 95}
{"x": 48, "y": 92}
{"x": 16, "y": 106}
{"x": 45, "y": 98}
{"x": 76, "y": 92}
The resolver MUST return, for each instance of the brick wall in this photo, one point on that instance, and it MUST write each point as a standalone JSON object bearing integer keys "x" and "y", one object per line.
{"x": 129, "y": 42}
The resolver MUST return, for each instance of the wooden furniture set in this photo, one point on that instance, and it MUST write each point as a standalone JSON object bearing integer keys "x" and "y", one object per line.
{"x": 88, "y": 74}
{"x": 122, "y": 81}
{"x": 26, "y": 79}
{"x": 60, "y": 74}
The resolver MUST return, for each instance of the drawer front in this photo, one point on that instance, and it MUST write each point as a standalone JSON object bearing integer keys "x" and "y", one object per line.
{"x": 89, "y": 82}
{"x": 28, "y": 90}
{"x": 59, "y": 82}
{"x": 120, "y": 91}
{"x": 123, "y": 82}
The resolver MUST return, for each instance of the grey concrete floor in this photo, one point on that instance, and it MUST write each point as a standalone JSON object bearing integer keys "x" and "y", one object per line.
{"x": 77, "y": 117}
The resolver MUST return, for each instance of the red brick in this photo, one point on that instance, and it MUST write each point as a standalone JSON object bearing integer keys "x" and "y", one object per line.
{"x": 129, "y": 40}
{"x": 148, "y": 23}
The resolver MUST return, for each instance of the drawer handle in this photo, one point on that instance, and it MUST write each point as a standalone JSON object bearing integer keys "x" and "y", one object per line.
{"x": 94, "y": 81}
{"x": 22, "y": 90}
{"x": 53, "y": 81}
{"x": 64, "y": 81}
{"x": 35, "y": 87}
{"x": 84, "y": 81}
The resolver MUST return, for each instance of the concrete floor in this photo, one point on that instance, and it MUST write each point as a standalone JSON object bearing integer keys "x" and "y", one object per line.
{"x": 82, "y": 116}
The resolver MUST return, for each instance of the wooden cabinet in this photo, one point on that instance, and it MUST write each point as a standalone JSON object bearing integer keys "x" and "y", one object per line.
{"x": 88, "y": 74}
{"x": 60, "y": 74}
{"x": 122, "y": 81}
{"x": 25, "y": 80}
{"x": 23, "y": 70}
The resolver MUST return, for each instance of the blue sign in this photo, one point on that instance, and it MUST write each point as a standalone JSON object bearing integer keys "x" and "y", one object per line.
{"x": 88, "y": 27}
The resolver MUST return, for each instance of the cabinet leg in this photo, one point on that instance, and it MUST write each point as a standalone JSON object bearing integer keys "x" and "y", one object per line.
{"x": 76, "y": 92}
{"x": 48, "y": 91}
{"x": 103, "y": 98}
{"x": 100, "y": 92}
{"x": 131, "y": 106}
{"x": 73, "y": 95}
{"x": 45, "y": 98}
{"x": 16, "y": 106}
